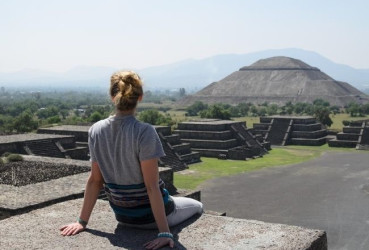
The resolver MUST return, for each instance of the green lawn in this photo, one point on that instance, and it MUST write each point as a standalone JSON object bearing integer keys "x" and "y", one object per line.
{"x": 211, "y": 168}
{"x": 338, "y": 118}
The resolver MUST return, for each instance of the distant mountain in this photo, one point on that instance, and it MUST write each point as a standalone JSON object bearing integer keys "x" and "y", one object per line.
{"x": 196, "y": 74}
{"x": 190, "y": 74}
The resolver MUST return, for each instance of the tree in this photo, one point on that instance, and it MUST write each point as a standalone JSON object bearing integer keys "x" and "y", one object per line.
{"x": 322, "y": 115}
{"x": 153, "y": 117}
{"x": 195, "y": 108}
{"x": 272, "y": 109}
{"x": 354, "y": 109}
{"x": 244, "y": 108}
{"x": 321, "y": 102}
{"x": 53, "y": 119}
{"x": 262, "y": 111}
{"x": 216, "y": 111}
{"x": 182, "y": 92}
{"x": 25, "y": 123}
{"x": 95, "y": 116}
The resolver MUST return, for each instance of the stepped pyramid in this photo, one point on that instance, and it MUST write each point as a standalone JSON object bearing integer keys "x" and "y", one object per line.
{"x": 277, "y": 80}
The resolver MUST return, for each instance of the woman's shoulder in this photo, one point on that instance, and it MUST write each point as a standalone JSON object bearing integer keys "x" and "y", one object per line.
{"x": 99, "y": 125}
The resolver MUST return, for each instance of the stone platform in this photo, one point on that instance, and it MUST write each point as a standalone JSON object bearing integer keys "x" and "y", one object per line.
{"x": 295, "y": 130}
{"x": 38, "y": 229}
{"x": 222, "y": 139}
{"x": 16, "y": 200}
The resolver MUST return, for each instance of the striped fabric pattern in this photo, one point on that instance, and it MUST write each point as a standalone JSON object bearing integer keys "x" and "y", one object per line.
{"x": 132, "y": 200}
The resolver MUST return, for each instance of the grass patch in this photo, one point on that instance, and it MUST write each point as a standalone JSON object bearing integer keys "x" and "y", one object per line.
{"x": 250, "y": 120}
{"x": 338, "y": 118}
{"x": 211, "y": 168}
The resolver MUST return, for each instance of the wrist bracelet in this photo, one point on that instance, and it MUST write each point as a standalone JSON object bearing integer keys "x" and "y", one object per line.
{"x": 82, "y": 222}
{"x": 165, "y": 235}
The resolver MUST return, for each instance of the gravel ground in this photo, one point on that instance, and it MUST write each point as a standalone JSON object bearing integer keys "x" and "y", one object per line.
{"x": 24, "y": 173}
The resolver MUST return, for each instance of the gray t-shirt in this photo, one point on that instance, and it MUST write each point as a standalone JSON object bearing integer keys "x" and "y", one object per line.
{"x": 118, "y": 144}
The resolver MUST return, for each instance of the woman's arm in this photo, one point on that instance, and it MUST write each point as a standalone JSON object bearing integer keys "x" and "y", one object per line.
{"x": 150, "y": 173}
{"x": 94, "y": 184}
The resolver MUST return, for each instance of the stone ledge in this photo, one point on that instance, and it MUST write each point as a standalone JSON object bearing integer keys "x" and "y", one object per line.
{"x": 16, "y": 200}
{"x": 38, "y": 229}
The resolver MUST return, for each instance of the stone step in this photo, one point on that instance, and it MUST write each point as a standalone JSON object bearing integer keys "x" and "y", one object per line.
{"x": 309, "y": 134}
{"x": 307, "y": 127}
{"x": 215, "y": 125}
{"x": 190, "y": 158}
{"x": 173, "y": 139}
{"x": 165, "y": 130}
{"x": 342, "y": 143}
{"x": 308, "y": 142}
{"x": 261, "y": 126}
{"x": 205, "y": 135}
{"x": 206, "y": 152}
{"x": 353, "y": 130}
{"x": 211, "y": 144}
{"x": 348, "y": 136}
{"x": 183, "y": 148}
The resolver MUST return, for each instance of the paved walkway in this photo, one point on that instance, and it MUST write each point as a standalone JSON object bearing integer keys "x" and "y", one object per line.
{"x": 330, "y": 193}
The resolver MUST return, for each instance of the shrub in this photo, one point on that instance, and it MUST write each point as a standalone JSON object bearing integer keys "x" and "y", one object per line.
{"x": 6, "y": 154}
{"x": 1, "y": 162}
{"x": 14, "y": 157}
{"x": 346, "y": 122}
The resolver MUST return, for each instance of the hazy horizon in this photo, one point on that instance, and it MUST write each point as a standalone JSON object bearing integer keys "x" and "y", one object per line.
{"x": 58, "y": 36}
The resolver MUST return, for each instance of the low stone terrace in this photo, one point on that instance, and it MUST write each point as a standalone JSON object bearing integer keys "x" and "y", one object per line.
{"x": 178, "y": 154}
{"x": 20, "y": 199}
{"x": 355, "y": 135}
{"x": 221, "y": 138}
{"x": 296, "y": 130}
{"x": 38, "y": 229}
{"x": 79, "y": 132}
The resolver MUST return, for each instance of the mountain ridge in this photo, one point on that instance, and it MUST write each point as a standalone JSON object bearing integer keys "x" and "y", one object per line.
{"x": 192, "y": 74}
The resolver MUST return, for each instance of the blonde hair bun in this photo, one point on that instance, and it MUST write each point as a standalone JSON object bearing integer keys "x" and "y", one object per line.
{"x": 125, "y": 88}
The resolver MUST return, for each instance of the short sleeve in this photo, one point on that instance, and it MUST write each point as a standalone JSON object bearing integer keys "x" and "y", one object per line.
{"x": 149, "y": 144}
{"x": 91, "y": 145}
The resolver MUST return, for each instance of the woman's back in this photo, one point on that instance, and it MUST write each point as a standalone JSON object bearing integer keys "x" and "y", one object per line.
{"x": 118, "y": 144}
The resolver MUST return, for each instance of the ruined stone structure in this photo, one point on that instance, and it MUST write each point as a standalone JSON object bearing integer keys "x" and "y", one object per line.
{"x": 222, "y": 139}
{"x": 178, "y": 154}
{"x": 20, "y": 199}
{"x": 277, "y": 80}
{"x": 285, "y": 130}
{"x": 59, "y": 146}
{"x": 355, "y": 135}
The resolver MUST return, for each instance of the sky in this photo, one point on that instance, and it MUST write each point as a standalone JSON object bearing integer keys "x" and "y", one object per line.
{"x": 58, "y": 35}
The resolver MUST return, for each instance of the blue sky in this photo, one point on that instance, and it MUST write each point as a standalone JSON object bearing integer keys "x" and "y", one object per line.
{"x": 59, "y": 35}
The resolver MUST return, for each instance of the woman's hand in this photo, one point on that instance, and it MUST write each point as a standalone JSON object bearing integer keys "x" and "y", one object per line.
{"x": 159, "y": 243}
{"x": 71, "y": 229}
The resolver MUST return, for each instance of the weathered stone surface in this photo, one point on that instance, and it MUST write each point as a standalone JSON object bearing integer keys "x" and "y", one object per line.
{"x": 15, "y": 200}
{"x": 277, "y": 80}
{"x": 38, "y": 229}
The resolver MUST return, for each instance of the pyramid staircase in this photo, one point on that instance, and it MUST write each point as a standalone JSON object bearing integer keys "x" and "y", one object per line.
{"x": 44, "y": 148}
{"x": 221, "y": 139}
{"x": 178, "y": 154}
{"x": 280, "y": 130}
{"x": 355, "y": 135}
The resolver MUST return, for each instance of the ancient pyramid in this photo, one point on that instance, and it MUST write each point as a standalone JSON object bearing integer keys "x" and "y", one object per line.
{"x": 278, "y": 80}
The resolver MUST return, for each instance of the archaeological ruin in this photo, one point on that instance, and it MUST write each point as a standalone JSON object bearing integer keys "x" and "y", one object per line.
{"x": 290, "y": 130}
{"x": 69, "y": 141}
{"x": 355, "y": 135}
{"x": 277, "y": 80}
{"x": 222, "y": 139}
